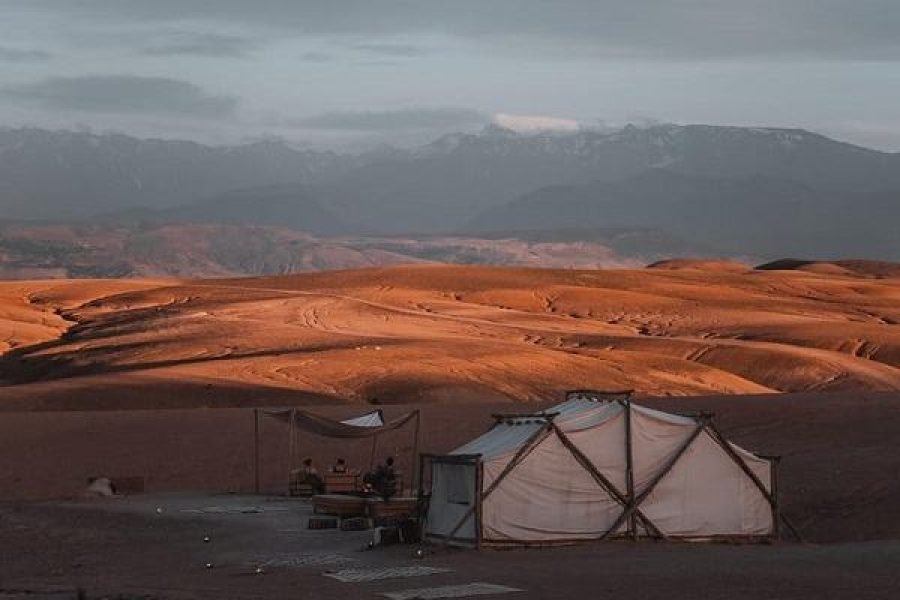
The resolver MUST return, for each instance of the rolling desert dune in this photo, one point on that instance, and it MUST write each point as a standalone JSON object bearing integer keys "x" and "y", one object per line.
{"x": 426, "y": 333}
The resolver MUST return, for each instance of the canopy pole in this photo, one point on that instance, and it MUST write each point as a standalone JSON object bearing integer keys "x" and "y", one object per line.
{"x": 372, "y": 455}
{"x": 291, "y": 446}
{"x": 256, "y": 450}
{"x": 415, "y": 460}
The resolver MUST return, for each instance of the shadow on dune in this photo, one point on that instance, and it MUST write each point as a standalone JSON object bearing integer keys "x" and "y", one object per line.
{"x": 22, "y": 366}
{"x": 91, "y": 393}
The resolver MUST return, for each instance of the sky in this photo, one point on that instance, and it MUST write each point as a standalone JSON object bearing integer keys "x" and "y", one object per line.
{"x": 358, "y": 73}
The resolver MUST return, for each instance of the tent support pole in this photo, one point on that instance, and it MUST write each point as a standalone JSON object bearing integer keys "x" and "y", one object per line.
{"x": 529, "y": 445}
{"x": 629, "y": 468}
{"x": 723, "y": 443}
{"x": 604, "y": 482}
{"x": 291, "y": 447}
{"x": 636, "y": 503}
{"x": 776, "y": 508}
{"x": 372, "y": 455}
{"x": 479, "y": 484}
{"x": 256, "y": 450}
{"x": 415, "y": 460}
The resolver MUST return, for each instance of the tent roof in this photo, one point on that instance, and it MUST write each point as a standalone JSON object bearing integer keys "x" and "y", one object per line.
{"x": 509, "y": 433}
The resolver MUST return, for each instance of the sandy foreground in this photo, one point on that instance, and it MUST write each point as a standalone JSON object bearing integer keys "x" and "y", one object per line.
{"x": 157, "y": 380}
{"x": 125, "y": 549}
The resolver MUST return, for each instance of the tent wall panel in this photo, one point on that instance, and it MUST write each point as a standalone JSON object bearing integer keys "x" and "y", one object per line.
{"x": 706, "y": 494}
{"x": 548, "y": 496}
{"x": 655, "y": 441}
{"x": 604, "y": 445}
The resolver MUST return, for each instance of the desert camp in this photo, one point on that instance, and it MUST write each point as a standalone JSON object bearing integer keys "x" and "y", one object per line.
{"x": 596, "y": 468}
{"x": 449, "y": 300}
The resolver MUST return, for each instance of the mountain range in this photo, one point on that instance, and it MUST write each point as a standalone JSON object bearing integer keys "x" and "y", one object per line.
{"x": 727, "y": 191}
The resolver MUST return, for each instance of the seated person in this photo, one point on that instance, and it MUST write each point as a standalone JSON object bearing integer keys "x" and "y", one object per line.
{"x": 310, "y": 476}
{"x": 339, "y": 467}
{"x": 383, "y": 480}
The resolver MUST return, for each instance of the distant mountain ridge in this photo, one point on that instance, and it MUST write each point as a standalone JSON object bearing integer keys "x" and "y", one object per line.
{"x": 772, "y": 216}
{"x": 686, "y": 180}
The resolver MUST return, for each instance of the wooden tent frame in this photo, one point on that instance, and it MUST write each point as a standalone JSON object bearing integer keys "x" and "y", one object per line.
{"x": 630, "y": 502}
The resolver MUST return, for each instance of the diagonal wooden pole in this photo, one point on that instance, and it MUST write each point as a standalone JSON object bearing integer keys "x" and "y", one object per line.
{"x": 635, "y": 504}
{"x": 529, "y": 445}
{"x": 776, "y": 514}
{"x": 603, "y": 481}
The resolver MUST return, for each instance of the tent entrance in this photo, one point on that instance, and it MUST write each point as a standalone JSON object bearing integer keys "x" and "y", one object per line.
{"x": 454, "y": 504}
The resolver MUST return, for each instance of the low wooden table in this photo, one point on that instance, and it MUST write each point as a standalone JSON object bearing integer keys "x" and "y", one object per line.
{"x": 398, "y": 507}
{"x": 339, "y": 505}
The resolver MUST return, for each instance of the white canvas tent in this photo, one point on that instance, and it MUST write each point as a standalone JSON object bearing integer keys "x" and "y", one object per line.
{"x": 598, "y": 466}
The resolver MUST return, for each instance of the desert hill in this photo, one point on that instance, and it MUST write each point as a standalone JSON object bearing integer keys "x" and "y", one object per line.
{"x": 430, "y": 333}
{"x": 159, "y": 248}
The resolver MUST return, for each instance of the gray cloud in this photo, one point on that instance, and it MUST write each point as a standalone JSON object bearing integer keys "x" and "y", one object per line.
{"x": 123, "y": 94}
{"x": 316, "y": 57}
{"x": 403, "y": 119}
{"x": 19, "y": 55}
{"x": 204, "y": 44}
{"x": 639, "y": 28}
{"x": 400, "y": 50}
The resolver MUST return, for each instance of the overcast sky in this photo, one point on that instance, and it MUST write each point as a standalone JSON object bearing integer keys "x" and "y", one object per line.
{"x": 351, "y": 73}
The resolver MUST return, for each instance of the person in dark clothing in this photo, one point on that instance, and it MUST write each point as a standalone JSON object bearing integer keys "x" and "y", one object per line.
{"x": 383, "y": 479}
{"x": 309, "y": 475}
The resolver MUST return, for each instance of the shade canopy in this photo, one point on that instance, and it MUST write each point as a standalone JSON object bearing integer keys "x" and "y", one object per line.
{"x": 368, "y": 425}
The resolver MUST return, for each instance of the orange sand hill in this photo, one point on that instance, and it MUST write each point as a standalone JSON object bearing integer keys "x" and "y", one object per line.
{"x": 444, "y": 333}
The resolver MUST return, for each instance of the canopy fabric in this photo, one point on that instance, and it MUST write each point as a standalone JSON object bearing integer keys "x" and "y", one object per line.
{"x": 339, "y": 429}
{"x": 370, "y": 419}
